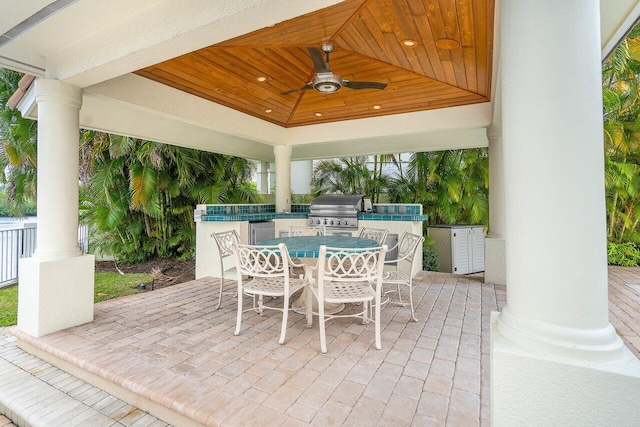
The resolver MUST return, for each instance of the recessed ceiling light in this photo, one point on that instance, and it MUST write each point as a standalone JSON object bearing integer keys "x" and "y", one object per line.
{"x": 318, "y": 114}
{"x": 376, "y": 107}
{"x": 268, "y": 110}
{"x": 448, "y": 44}
{"x": 261, "y": 79}
{"x": 409, "y": 43}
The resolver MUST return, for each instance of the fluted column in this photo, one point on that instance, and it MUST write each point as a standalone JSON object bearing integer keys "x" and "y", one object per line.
{"x": 283, "y": 177}
{"x": 58, "y": 135}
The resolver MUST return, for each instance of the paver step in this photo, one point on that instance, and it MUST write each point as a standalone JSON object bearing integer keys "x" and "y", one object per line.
{"x": 35, "y": 393}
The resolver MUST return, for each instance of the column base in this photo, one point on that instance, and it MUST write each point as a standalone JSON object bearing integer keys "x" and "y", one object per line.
{"x": 55, "y": 295}
{"x": 495, "y": 263}
{"x": 530, "y": 387}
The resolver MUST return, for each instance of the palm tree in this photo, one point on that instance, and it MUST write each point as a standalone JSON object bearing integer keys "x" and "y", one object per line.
{"x": 348, "y": 175}
{"x": 622, "y": 139}
{"x": 142, "y": 193}
{"x": 452, "y": 186}
{"x": 18, "y": 149}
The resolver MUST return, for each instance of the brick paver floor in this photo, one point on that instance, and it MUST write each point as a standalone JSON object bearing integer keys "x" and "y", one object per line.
{"x": 171, "y": 347}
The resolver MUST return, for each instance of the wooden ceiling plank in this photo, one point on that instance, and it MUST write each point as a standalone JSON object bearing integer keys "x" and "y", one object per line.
{"x": 483, "y": 14}
{"x": 184, "y": 77}
{"x": 449, "y": 72}
{"x": 471, "y": 71}
{"x": 449, "y": 18}
{"x": 428, "y": 40}
{"x": 465, "y": 14}
{"x": 386, "y": 29}
{"x": 383, "y": 52}
{"x": 205, "y": 95}
{"x": 366, "y": 43}
{"x": 458, "y": 63}
{"x": 310, "y": 29}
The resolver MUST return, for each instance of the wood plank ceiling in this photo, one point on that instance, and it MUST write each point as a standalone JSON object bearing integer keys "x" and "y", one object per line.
{"x": 448, "y": 65}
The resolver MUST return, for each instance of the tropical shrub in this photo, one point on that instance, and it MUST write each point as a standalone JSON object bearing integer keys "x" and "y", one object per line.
{"x": 140, "y": 195}
{"x": 626, "y": 254}
{"x": 429, "y": 258}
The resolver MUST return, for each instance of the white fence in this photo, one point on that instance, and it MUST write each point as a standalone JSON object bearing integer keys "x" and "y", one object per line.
{"x": 20, "y": 242}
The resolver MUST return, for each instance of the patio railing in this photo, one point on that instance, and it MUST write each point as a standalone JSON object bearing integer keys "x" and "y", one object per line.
{"x": 20, "y": 242}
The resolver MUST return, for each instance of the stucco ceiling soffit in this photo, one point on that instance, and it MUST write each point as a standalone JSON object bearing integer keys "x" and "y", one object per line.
{"x": 157, "y": 32}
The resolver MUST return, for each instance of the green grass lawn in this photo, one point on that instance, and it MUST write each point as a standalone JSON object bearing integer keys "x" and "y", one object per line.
{"x": 107, "y": 286}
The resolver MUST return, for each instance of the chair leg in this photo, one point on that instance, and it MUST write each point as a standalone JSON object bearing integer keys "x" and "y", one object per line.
{"x": 308, "y": 303}
{"x": 323, "y": 335}
{"x": 365, "y": 312}
{"x": 377, "y": 325}
{"x": 413, "y": 315}
{"x": 399, "y": 294}
{"x": 239, "y": 316}
{"x": 285, "y": 315}
{"x": 220, "y": 293}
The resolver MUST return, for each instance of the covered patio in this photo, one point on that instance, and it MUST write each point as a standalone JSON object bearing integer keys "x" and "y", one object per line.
{"x": 521, "y": 78}
{"x": 433, "y": 372}
{"x": 179, "y": 358}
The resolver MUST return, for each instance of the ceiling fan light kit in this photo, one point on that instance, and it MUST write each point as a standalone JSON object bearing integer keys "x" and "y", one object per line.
{"x": 327, "y": 82}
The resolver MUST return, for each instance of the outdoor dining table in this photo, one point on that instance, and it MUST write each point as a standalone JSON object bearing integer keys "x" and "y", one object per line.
{"x": 307, "y": 249}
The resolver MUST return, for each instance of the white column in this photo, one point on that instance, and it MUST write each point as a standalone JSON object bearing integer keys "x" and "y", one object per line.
{"x": 56, "y": 284}
{"x": 303, "y": 172}
{"x": 263, "y": 178}
{"x": 494, "y": 247}
{"x": 556, "y": 359}
{"x": 58, "y": 134}
{"x": 283, "y": 177}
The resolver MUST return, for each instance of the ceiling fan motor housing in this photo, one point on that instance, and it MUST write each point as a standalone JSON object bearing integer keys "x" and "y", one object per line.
{"x": 327, "y": 82}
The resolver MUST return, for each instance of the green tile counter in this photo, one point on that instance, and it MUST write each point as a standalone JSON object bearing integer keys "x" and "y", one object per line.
{"x": 382, "y": 212}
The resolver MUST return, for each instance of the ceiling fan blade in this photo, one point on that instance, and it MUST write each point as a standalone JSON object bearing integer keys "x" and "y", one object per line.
{"x": 364, "y": 85}
{"x": 305, "y": 87}
{"x": 318, "y": 62}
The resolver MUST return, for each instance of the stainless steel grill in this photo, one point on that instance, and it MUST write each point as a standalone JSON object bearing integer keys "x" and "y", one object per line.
{"x": 335, "y": 211}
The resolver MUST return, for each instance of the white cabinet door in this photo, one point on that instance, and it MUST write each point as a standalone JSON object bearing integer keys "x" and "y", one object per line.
{"x": 477, "y": 249}
{"x": 461, "y": 250}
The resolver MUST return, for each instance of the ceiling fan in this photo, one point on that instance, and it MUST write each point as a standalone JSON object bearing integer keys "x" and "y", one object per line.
{"x": 325, "y": 81}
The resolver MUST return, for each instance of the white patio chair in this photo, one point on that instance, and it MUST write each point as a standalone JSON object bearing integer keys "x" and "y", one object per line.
{"x": 348, "y": 276}
{"x": 377, "y": 234}
{"x": 224, "y": 240}
{"x": 407, "y": 249}
{"x": 268, "y": 269}
{"x": 297, "y": 231}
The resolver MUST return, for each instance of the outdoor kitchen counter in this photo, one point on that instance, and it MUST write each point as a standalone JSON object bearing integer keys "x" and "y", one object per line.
{"x": 217, "y": 218}
{"x": 266, "y": 212}
{"x": 270, "y": 216}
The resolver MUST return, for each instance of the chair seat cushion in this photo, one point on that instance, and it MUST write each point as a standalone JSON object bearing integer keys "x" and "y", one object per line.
{"x": 272, "y": 286}
{"x": 347, "y": 292}
{"x": 396, "y": 277}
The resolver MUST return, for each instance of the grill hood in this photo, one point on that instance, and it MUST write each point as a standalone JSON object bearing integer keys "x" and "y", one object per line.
{"x": 335, "y": 210}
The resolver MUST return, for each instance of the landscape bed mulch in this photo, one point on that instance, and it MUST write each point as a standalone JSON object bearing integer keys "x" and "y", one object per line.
{"x": 165, "y": 272}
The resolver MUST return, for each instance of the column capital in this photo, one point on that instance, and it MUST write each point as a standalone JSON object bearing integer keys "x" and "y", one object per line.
{"x": 51, "y": 90}
{"x": 282, "y": 150}
{"x": 494, "y": 130}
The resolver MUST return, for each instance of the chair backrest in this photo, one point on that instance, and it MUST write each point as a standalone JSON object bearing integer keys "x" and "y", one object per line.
{"x": 295, "y": 231}
{"x": 224, "y": 240}
{"x": 408, "y": 247}
{"x": 261, "y": 261}
{"x": 349, "y": 264}
{"x": 377, "y": 234}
